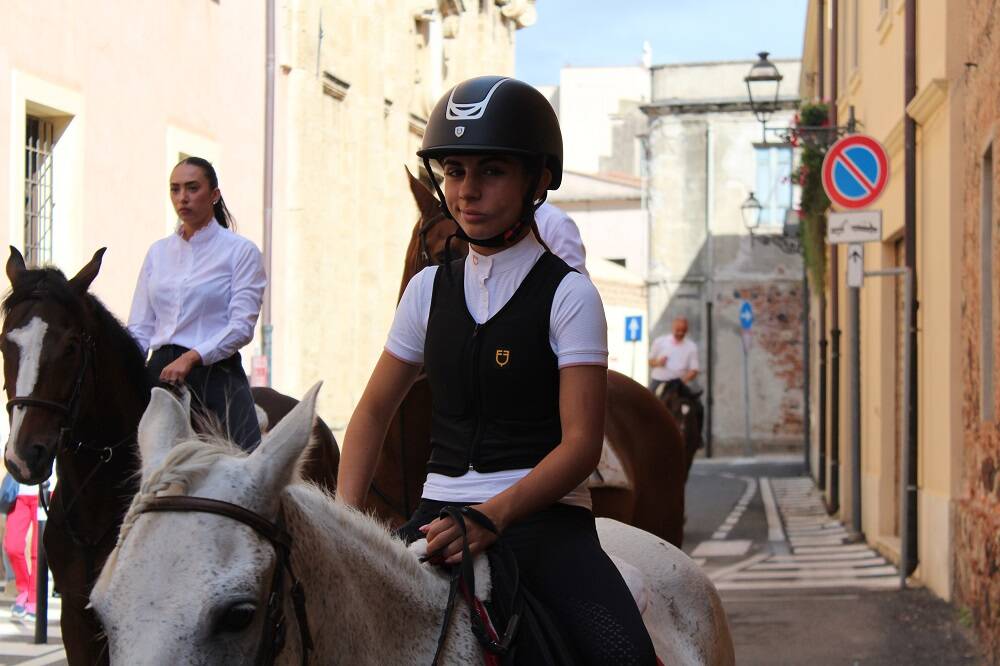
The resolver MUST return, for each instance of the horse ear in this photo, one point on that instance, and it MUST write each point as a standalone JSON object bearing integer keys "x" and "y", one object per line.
{"x": 427, "y": 203}
{"x": 275, "y": 459}
{"x": 15, "y": 266}
{"x": 81, "y": 281}
{"x": 165, "y": 422}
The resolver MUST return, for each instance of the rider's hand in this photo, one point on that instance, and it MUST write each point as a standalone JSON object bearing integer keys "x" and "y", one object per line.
{"x": 178, "y": 370}
{"x": 444, "y": 540}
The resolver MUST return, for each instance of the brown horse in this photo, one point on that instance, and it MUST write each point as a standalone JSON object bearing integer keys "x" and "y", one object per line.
{"x": 684, "y": 407}
{"x": 642, "y": 435}
{"x": 77, "y": 386}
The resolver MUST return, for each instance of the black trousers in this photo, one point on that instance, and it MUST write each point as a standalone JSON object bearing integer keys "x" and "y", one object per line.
{"x": 220, "y": 391}
{"x": 561, "y": 561}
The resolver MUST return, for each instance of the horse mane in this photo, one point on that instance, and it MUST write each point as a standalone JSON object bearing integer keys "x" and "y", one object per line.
{"x": 185, "y": 464}
{"x": 51, "y": 283}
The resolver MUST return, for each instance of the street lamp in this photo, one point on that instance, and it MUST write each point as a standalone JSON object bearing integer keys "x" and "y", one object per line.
{"x": 763, "y": 83}
{"x": 788, "y": 241}
{"x": 751, "y": 213}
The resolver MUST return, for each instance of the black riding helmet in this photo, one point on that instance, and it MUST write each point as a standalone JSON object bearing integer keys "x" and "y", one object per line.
{"x": 495, "y": 114}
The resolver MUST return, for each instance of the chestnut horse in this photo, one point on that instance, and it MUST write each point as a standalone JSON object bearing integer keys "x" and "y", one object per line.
{"x": 77, "y": 386}
{"x": 642, "y": 435}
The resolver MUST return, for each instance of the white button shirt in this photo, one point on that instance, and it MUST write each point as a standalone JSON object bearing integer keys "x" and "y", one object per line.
{"x": 204, "y": 293}
{"x": 561, "y": 234}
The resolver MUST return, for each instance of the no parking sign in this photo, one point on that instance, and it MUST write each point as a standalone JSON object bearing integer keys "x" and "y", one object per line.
{"x": 855, "y": 171}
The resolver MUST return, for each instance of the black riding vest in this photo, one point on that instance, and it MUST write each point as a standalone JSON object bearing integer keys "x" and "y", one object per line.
{"x": 494, "y": 386}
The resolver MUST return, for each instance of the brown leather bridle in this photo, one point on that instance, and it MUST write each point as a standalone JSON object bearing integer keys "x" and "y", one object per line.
{"x": 70, "y": 411}
{"x": 272, "y": 639}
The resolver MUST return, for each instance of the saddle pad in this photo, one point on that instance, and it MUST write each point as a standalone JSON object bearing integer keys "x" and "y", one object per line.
{"x": 610, "y": 472}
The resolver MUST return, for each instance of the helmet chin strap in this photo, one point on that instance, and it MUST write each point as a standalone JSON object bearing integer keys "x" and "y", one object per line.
{"x": 504, "y": 238}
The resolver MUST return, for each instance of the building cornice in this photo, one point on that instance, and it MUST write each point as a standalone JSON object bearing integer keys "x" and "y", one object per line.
{"x": 928, "y": 101}
{"x": 673, "y": 107}
{"x": 893, "y": 141}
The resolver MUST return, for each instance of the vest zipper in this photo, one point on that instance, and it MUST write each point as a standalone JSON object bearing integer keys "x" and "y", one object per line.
{"x": 477, "y": 400}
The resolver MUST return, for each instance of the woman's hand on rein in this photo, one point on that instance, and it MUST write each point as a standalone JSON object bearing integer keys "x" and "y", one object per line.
{"x": 178, "y": 370}
{"x": 444, "y": 539}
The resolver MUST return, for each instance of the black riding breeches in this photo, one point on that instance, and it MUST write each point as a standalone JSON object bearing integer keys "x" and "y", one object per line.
{"x": 561, "y": 561}
{"x": 220, "y": 391}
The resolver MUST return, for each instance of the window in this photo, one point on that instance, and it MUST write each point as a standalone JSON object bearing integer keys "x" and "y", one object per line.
{"x": 774, "y": 183}
{"x": 38, "y": 203}
{"x": 986, "y": 286}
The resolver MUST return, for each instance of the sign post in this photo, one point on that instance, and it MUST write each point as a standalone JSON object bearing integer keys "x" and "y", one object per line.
{"x": 855, "y": 173}
{"x": 633, "y": 334}
{"x": 746, "y": 323}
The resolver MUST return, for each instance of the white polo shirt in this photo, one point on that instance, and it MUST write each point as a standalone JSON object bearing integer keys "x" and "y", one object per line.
{"x": 578, "y": 335}
{"x": 561, "y": 234}
{"x": 682, "y": 357}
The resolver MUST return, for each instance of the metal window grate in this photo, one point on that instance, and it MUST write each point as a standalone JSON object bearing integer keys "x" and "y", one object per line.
{"x": 38, "y": 202}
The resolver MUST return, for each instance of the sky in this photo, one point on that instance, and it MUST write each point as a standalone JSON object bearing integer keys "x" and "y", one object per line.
{"x": 602, "y": 33}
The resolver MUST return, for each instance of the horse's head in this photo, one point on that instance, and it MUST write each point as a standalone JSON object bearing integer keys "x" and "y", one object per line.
{"x": 47, "y": 349}
{"x": 430, "y": 235}
{"x": 220, "y": 612}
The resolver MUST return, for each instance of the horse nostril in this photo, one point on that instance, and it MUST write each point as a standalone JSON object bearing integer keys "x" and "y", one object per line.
{"x": 36, "y": 453}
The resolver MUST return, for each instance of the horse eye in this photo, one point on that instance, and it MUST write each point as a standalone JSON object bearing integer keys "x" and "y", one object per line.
{"x": 235, "y": 618}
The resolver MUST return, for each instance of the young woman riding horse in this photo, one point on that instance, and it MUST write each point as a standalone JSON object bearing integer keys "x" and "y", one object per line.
{"x": 197, "y": 300}
{"x": 514, "y": 343}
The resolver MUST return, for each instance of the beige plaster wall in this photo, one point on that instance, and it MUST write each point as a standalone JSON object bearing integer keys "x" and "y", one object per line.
{"x": 874, "y": 89}
{"x": 343, "y": 209}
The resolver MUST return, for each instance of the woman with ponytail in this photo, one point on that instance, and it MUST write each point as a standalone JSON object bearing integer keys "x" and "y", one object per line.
{"x": 197, "y": 300}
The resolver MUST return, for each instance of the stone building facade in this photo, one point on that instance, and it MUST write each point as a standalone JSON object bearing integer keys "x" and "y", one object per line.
{"x": 977, "y": 509}
{"x": 705, "y": 155}
{"x": 356, "y": 81}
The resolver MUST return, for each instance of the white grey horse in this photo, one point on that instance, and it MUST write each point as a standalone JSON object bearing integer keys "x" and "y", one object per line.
{"x": 191, "y": 588}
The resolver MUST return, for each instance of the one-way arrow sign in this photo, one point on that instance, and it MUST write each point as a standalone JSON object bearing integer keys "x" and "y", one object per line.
{"x": 855, "y": 265}
{"x": 746, "y": 315}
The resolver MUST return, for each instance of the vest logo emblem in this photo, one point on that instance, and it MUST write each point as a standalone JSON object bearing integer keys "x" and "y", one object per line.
{"x": 503, "y": 356}
{"x": 459, "y": 131}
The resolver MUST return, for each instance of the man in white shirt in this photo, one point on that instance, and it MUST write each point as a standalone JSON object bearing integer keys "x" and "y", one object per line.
{"x": 673, "y": 358}
{"x": 674, "y": 363}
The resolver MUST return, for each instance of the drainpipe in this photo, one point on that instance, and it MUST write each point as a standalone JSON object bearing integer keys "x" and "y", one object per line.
{"x": 909, "y": 553}
{"x": 821, "y": 306}
{"x": 821, "y": 439}
{"x": 708, "y": 289}
{"x": 265, "y": 314}
{"x": 833, "y": 501}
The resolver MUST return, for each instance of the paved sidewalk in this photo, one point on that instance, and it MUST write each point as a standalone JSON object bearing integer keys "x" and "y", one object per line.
{"x": 795, "y": 588}
{"x": 17, "y": 638}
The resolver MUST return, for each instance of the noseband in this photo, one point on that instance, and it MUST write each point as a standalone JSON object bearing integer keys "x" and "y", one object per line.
{"x": 272, "y": 639}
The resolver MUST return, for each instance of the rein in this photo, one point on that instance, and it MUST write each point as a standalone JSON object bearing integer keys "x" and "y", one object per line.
{"x": 272, "y": 640}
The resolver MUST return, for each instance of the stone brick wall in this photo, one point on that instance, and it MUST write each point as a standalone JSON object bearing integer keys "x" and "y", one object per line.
{"x": 977, "y": 511}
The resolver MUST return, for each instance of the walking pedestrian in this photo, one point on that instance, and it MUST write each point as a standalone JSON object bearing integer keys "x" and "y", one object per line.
{"x": 22, "y": 518}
